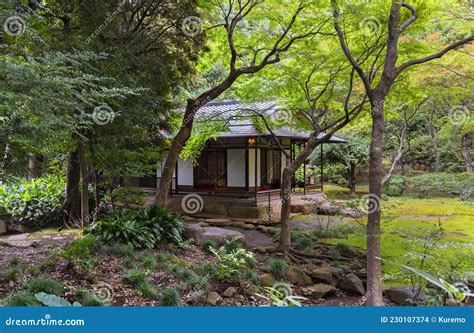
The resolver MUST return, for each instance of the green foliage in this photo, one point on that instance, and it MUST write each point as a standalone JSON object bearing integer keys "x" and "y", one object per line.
{"x": 231, "y": 265}
{"x": 12, "y": 273}
{"x": 119, "y": 249}
{"x": 440, "y": 184}
{"x": 148, "y": 261}
{"x": 44, "y": 284}
{"x": 129, "y": 196}
{"x": 145, "y": 228}
{"x": 232, "y": 245}
{"x": 31, "y": 204}
{"x": 304, "y": 242}
{"x": 336, "y": 231}
{"x": 197, "y": 282}
{"x": 85, "y": 298}
{"x": 170, "y": 297}
{"x": 277, "y": 267}
{"x": 395, "y": 186}
{"x": 278, "y": 298}
{"x": 53, "y": 300}
{"x": 208, "y": 245}
{"x": 135, "y": 277}
{"x": 22, "y": 298}
{"x": 148, "y": 291}
{"x": 79, "y": 250}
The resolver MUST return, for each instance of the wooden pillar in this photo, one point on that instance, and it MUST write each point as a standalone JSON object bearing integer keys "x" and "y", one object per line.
{"x": 322, "y": 167}
{"x": 256, "y": 171}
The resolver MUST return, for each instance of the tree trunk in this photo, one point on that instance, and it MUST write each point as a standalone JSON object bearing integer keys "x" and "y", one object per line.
{"x": 285, "y": 230}
{"x": 84, "y": 186}
{"x": 71, "y": 203}
{"x": 434, "y": 142}
{"x": 351, "y": 184}
{"x": 466, "y": 154}
{"x": 374, "y": 265}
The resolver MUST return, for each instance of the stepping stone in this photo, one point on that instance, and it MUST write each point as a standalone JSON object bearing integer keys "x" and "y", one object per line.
{"x": 19, "y": 237}
{"x": 220, "y": 235}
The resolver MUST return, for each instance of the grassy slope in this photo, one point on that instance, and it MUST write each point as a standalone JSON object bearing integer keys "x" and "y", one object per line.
{"x": 407, "y": 219}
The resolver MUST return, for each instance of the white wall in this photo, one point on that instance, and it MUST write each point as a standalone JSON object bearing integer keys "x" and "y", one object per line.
{"x": 252, "y": 167}
{"x": 185, "y": 172}
{"x": 236, "y": 167}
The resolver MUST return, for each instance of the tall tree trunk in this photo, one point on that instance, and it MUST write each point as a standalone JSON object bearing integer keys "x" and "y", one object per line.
{"x": 84, "y": 184}
{"x": 376, "y": 172}
{"x": 434, "y": 143}
{"x": 285, "y": 230}
{"x": 466, "y": 152}
{"x": 351, "y": 183}
{"x": 71, "y": 203}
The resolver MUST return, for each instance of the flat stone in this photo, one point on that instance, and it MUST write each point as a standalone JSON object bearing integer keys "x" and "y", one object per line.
{"x": 220, "y": 235}
{"x": 213, "y": 298}
{"x": 218, "y": 221}
{"x": 319, "y": 290}
{"x": 351, "y": 283}
{"x": 229, "y": 292}
{"x": 251, "y": 290}
{"x": 238, "y": 224}
{"x": 406, "y": 295}
{"x": 297, "y": 276}
{"x": 248, "y": 227}
{"x": 197, "y": 298}
{"x": 267, "y": 280}
{"x": 322, "y": 274}
{"x": 19, "y": 237}
{"x": 188, "y": 218}
{"x": 193, "y": 231}
{"x": 203, "y": 224}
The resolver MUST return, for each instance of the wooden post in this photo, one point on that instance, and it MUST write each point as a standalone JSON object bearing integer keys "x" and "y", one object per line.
{"x": 322, "y": 168}
{"x": 256, "y": 171}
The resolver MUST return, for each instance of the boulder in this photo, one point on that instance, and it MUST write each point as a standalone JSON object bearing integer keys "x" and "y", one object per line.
{"x": 213, "y": 298}
{"x": 238, "y": 224}
{"x": 251, "y": 290}
{"x": 322, "y": 274}
{"x": 197, "y": 298}
{"x": 220, "y": 235}
{"x": 319, "y": 290}
{"x": 351, "y": 283}
{"x": 193, "y": 231}
{"x": 267, "y": 280}
{"x": 3, "y": 226}
{"x": 248, "y": 226}
{"x": 406, "y": 295}
{"x": 352, "y": 212}
{"x": 297, "y": 276}
{"x": 16, "y": 227}
{"x": 229, "y": 292}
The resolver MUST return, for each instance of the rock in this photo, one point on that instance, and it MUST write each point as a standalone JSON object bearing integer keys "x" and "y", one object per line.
{"x": 319, "y": 290}
{"x": 351, "y": 283}
{"x": 352, "y": 212}
{"x": 17, "y": 228}
{"x": 213, "y": 298}
{"x": 264, "y": 229}
{"x": 188, "y": 218}
{"x": 406, "y": 295}
{"x": 229, "y": 292}
{"x": 197, "y": 298}
{"x": 251, "y": 290}
{"x": 238, "y": 224}
{"x": 218, "y": 221}
{"x": 297, "y": 276}
{"x": 203, "y": 224}
{"x": 19, "y": 237}
{"x": 248, "y": 226}
{"x": 3, "y": 226}
{"x": 220, "y": 235}
{"x": 266, "y": 249}
{"x": 267, "y": 280}
{"x": 193, "y": 231}
{"x": 322, "y": 274}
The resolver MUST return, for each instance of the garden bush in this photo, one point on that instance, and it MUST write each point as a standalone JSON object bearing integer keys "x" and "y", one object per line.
{"x": 170, "y": 297}
{"x": 441, "y": 184}
{"x": 32, "y": 204}
{"x": 231, "y": 265}
{"x": 135, "y": 277}
{"x": 45, "y": 285}
{"x": 22, "y": 298}
{"x": 277, "y": 267}
{"x": 129, "y": 196}
{"x": 395, "y": 186}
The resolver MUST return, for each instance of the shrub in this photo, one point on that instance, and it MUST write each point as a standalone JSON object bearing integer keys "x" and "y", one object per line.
{"x": 232, "y": 245}
{"x": 344, "y": 249}
{"x": 44, "y": 284}
{"x": 197, "y": 282}
{"x": 304, "y": 242}
{"x": 118, "y": 249}
{"x": 145, "y": 228}
{"x": 12, "y": 273}
{"x": 135, "y": 277}
{"x": 79, "y": 250}
{"x": 231, "y": 265}
{"x": 129, "y": 196}
{"x": 277, "y": 267}
{"x": 440, "y": 184}
{"x": 395, "y": 186}
{"x": 15, "y": 261}
{"x": 148, "y": 261}
{"x": 170, "y": 297}
{"x": 208, "y": 245}
{"x": 22, "y": 298}
{"x": 87, "y": 299}
{"x": 148, "y": 291}
{"x": 124, "y": 229}
{"x": 30, "y": 203}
